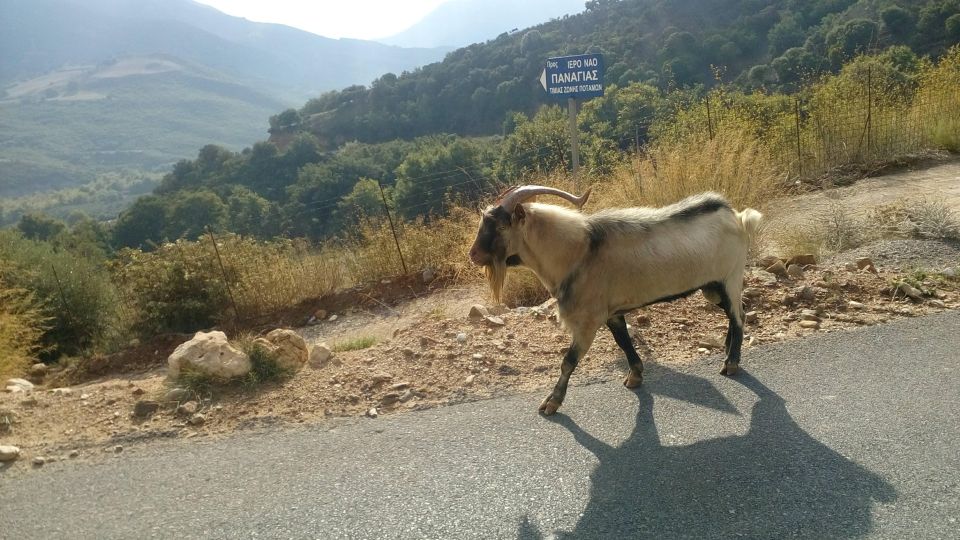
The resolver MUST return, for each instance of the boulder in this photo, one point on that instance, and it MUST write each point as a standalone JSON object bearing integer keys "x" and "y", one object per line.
{"x": 795, "y": 271}
{"x": 479, "y": 312}
{"x": 8, "y": 453}
{"x": 320, "y": 355}
{"x": 802, "y": 260}
{"x": 38, "y": 370}
{"x": 778, "y": 269}
{"x": 19, "y": 385}
{"x": 289, "y": 349}
{"x": 145, "y": 408}
{"x": 211, "y": 354}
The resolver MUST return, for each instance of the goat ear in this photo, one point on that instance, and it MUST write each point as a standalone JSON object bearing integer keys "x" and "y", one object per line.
{"x": 519, "y": 214}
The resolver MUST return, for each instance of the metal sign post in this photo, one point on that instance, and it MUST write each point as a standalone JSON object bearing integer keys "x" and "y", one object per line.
{"x": 574, "y": 77}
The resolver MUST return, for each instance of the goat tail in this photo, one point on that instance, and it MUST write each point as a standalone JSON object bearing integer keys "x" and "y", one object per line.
{"x": 749, "y": 221}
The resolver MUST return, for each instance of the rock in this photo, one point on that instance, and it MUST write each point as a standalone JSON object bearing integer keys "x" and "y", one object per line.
{"x": 469, "y": 380}
{"x": 74, "y": 454}
{"x": 461, "y": 337}
{"x": 750, "y": 317}
{"x": 752, "y": 292}
{"x": 498, "y": 310}
{"x": 802, "y": 260}
{"x": 807, "y": 294}
{"x": 937, "y": 303}
{"x": 380, "y": 378}
{"x": 9, "y": 453}
{"x": 768, "y": 261}
{"x": 853, "y": 304}
{"x": 39, "y": 461}
{"x": 795, "y": 271}
{"x": 851, "y": 267}
{"x": 709, "y": 343}
{"x": 504, "y": 369}
{"x": 478, "y": 312}
{"x": 495, "y": 321}
{"x": 949, "y": 272}
{"x": 428, "y": 275}
{"x": 408, "y": 352}
{"x": 188, "y": 408}
{"x": 778, "y": 269}
{"x": 38, "y": 370}
{"x": 211, "y": 354}
{"x": 117, "y": 449}
{"x": 909, "y": 291}
{"x": 61, "y": 392}
{"x": 372, "y": 413}
{"x": 197, "y": 420}
{"x": 320, "y": 355}
{"x": 145, "y": 408}
{"x": 389, "y": 398}
{"x": 863, "y": 262}
{"x": 176, "y": 394}
{"x": 138, "y": 391}
{"x": 23, "y": 385}
{"x": 332, "y": 318}
{"x": 399, "y": 386}
{"x": 809, "y": 315}
{"x": 287, "y": 347}
{"x": 477, "y": 356}
{"x": 407, "y": 395}
{"x": 810, "y": 324}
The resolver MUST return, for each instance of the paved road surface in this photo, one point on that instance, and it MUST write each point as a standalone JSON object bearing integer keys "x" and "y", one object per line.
{"x": 841, "y": 435}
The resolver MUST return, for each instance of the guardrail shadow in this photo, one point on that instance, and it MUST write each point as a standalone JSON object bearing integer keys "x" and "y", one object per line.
{"x": 775, "y": 481}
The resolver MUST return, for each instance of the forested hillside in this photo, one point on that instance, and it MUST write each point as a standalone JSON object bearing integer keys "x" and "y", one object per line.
{"x": 664, "y": 43}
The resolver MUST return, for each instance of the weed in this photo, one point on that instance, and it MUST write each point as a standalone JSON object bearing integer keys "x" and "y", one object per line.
{"x": 355, "y": 344}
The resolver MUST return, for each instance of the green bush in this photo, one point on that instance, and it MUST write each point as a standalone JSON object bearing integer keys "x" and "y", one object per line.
{"x": 73, "y": 292}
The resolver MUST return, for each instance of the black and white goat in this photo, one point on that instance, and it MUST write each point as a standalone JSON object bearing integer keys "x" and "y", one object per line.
{"x": 603, "y": 265}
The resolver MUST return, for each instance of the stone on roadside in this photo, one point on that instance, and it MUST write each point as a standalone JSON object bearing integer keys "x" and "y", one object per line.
{"x": 64, "y": 392}
{"x": 372, "y": 412}
{"x": 74, "y": 454}
{"x": 188, "y": 408}
{"x": 642, "y": 320}
{"x": 853, "y": 304}
{"x": 145, "y": 408}
{"x": 428, "y": 275}
{"x": 461, "y": 337}
{"x": 287, "y": 347}
{"x": 19, "y": 385}
{"x": 495, "y": 321}
{"x": 176, "y": 394}
{"x": 810, "y": 324}
{"x": 39, "y": 461}
{"x": 210, "y": 354}
{"x": 197, "y": 420}
{"x": 478, "y": 312}
{"x": 909, "y": 291}
{"x": 320, "y": 355}
{"x": 937, "y": 303}
{"x": 9, "y": 453}
{"x": 752, "y": 292}
{"x": 949, "y": 272}
{"x": 469, "y": 380}
{"x": 795, "y": 271}
{"x": 38, "y": 370}
{"x": 709, "y": 343}
{"x": 863, "y": 262}
{"x": 768, "y": 261}
{"x": 750, "y": 317}
{"x": 778, "y": 269}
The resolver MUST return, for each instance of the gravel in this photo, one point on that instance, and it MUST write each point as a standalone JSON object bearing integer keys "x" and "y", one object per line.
{"x": 902, "y": 254}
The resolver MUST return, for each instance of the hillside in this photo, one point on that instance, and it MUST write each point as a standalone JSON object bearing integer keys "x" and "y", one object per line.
{"x": 773, "y": 44}
{"x": 459, "y": 23}
{"x": 136, "y": 114}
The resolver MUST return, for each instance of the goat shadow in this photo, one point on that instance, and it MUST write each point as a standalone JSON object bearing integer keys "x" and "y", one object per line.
{"x": 775, "y": 481}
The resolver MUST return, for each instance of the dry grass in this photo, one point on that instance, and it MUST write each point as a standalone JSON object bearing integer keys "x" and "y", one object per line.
{"x": 21, "y": 328}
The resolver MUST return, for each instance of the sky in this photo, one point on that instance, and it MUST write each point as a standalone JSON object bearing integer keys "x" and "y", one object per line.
{"x": 359, "y": 19}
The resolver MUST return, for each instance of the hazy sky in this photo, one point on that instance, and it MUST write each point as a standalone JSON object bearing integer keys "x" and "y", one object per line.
{"x": 361, "y": 19}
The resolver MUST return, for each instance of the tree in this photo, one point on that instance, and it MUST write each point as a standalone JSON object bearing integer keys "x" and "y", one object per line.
{"x": 899, "y": 22}
{"x": 785, "y": 34}
{"x": 142, "y": 224}
{"x": 436, "y": 170}
{"x": 193, "y": 212}
{"x": 40, "y": 227}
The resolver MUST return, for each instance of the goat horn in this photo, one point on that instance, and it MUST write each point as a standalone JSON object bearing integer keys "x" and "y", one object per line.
{"x": 510, "y": 198}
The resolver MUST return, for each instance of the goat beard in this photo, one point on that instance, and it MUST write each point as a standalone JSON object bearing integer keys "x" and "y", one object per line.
{"x": 496, "y": 273}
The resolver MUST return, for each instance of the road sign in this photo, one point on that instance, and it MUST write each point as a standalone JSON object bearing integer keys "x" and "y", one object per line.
{"x": 579, "y": 76}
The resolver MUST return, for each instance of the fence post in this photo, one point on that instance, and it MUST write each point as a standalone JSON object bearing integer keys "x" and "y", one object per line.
{"x": 393, "y": 229}
{"x": 799, "y": 154}
{"x": 869, "y": 109}
{"x": 223, "y": 272}
{"x": 709, "y": 118}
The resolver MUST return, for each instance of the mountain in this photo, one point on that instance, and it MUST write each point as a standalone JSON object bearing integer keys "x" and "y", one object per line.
{"x": 754, "y": 44}
{"x": 459, "y": 23}
{"x": 40, "y": 35}
{"x": 95, "y": 86}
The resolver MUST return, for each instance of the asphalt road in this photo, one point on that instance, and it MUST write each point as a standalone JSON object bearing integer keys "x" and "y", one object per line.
{"x": 842, "y": 435}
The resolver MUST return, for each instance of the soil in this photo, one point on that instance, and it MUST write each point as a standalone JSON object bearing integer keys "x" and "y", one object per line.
{"x": 418, "y": 361}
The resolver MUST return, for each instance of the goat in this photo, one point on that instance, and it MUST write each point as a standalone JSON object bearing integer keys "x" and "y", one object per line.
{"x": 601, "y": 266}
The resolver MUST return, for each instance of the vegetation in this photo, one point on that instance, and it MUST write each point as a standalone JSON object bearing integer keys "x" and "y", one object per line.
{"x": 21, "y": 329}
{"x": 364, "y": 342}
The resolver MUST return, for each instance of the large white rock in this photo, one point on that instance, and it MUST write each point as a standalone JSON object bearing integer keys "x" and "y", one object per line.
{"x": 209, "y": 353}
{"x": 19, "y": 385}
{"x": 289, "y": 349}
{"x": 320, "y": 355}
{"x": 9, "y": 453}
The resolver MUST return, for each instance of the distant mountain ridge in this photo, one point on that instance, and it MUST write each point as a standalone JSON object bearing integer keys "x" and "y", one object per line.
{"x": 459, "y": 23}
{"x": 40, "y": 35}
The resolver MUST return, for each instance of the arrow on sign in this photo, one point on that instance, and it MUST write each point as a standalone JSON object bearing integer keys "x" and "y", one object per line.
{"x": 543, "y": 79}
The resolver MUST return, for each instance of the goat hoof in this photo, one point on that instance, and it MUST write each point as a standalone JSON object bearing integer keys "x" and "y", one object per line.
{"x": 730, "y": 369}
{"x": 633, "y": 380}
{"x": 549, "y": 406}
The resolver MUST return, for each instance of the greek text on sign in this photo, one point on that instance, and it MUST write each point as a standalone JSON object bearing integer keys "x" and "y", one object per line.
{"x": 579, "y": 76}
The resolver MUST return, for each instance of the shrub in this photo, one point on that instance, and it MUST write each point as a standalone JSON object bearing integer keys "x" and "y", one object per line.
{"x": 21, "y": 329}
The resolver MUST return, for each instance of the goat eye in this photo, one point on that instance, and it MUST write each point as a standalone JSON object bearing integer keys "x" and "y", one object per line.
{"x": 501, "y": 228}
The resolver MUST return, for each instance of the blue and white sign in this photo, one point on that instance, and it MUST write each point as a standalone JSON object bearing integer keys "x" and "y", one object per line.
{"x": 579, "y": 76}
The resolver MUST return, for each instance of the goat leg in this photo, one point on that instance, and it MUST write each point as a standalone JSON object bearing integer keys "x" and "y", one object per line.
{"x": 555, "y": 399}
